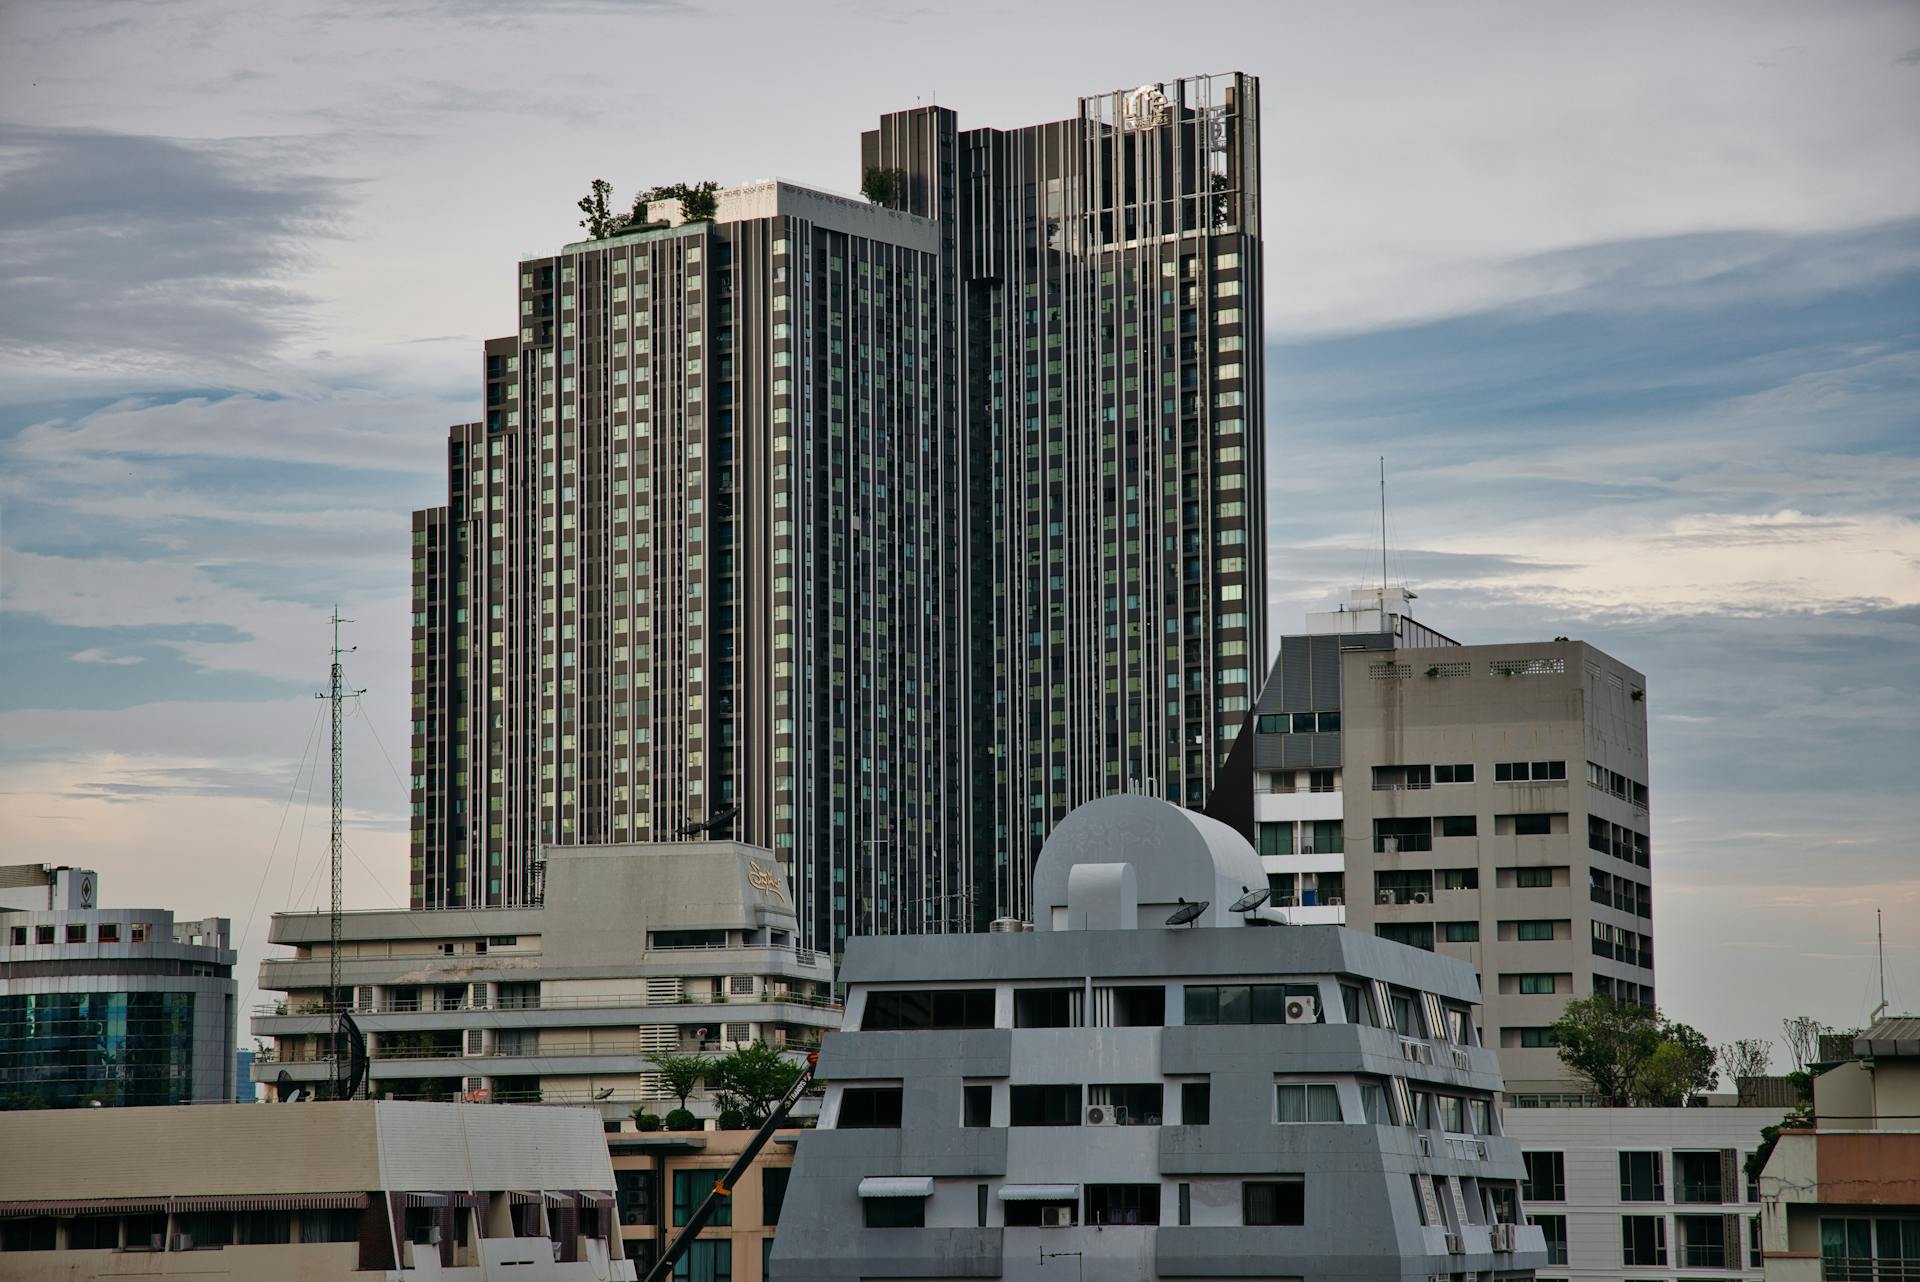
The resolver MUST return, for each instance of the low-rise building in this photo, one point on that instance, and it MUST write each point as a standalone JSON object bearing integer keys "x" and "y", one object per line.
{"x": 1151, "y": 1084}
{"x": 1642, "y": 1193}
{"x": 662, "y": 1178}
{"x": 1840, "y": 1198}
{"x": 106, "y": 1007}
{"x": 314, "y": 1192}
{"x": 637, "y": 951}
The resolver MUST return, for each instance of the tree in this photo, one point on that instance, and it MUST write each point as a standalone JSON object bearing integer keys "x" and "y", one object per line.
{"x": 755, "y": 1078}
{"x": 1746, "y": 1057}
{"x": 599, "y": 223}
{"x": 1681, "y": 1066}
{"x": 1630, "y": 1055}
{"x": 684, "y": 1073}
{"x": 1802, "y": 1035}
{"x": 884, "y": 187}
{"x": 1606, "y": 1044}
{"x": 699, "y": 202}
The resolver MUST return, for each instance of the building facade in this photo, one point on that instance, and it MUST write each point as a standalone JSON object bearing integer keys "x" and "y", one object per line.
{"x": 884, "y": 531}
{"x": 314, "y": 1192}
{"x": 637, "y": 952}
{"x": 1138, "y": 1099}
{"x": 1840, "y": 1193}
{"x": 1478, "y": 791}
{"x": 1643, "y": 1193}
{"x": 663, "y": 1177}
{"x": 108, "y": 1007}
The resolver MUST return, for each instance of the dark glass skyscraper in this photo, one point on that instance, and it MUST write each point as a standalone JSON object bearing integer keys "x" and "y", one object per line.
{"x": 901, "y": 526}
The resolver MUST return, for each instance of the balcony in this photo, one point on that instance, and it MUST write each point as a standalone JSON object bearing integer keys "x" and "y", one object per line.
{"x": 1404, "y": 843}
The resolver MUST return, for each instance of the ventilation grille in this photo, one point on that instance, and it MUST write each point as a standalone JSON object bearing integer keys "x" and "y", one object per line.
{"x": 658, "y": 1039}
{"x": 1525, "y": 667}
{"x": 1389, "y": 671}
{"x": 665, "y": 991}
{"x": 1450, "y": 670}
{"x": 740, "y": 985}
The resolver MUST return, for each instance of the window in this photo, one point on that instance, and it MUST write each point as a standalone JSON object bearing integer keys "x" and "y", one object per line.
{"x": 1307, "y": 1102}
{"x": 690, "y": 1188}
{"x": 1275, "y": 838}
{"x": 76, "y": 932}
{"x": 1643, "y": 1240}
{"x": 895, "y": 1212}
{"x": 1546, "y": 1177}
{"x": 1703, "y": 1241}
{"x": 1136, "y": 1006}
{"x": 1462, "y": 932}
{"x": 36, "y": 1234}
{"x": 109, "y": 932}
{"x": 1554, "y": 1228}
{"x": 1044, "y": 1105}
{"x": 773, "y": 1192}
{"x": 17, "y": 936}
{"x": 1185, "y": 1197}
{"x": 1536, "y": 983}
{"x": 870, "y": 1107}
{"x": 1322, "y": 836}
{"x": 1453, "y": 1114}
{"x": 1027, "y": 1215}
{"x": 1243, "y": 1003}
{"x": 43, "y": 934}
{"x": 1460, "y": 879}
{"x": 976, "y": 1105}
{"x": 1415, "y": 934}
{"x": 1536, "y": 1038}
{"x": 1274, "y": 1202}
{"x": 1532, "y": 878}
{"x": 1702, "y": 1177}
{"x": 1133, "y": 1103}
{"x": 1046, "y": 1008}
{"x": 1533, "y": 930}
{"x": 1529, "y": 771}
{"x": 1196, "y": 1103}
{"x": 1641, "y": 1179}
{"x": 935, "y": 1008}
{"x": 1849, "y": 1248}
{"x": 1459, "y": 825}
{"x": 1373, "y": 1102}
{"x": 1351, "y": 1003}
{"x": 1123, "y": 1203}
{"x": 1462, "y": 773}
{"x": 1532, "y": 825}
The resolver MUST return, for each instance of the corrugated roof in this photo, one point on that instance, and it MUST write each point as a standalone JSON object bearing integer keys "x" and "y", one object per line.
{"x": 1895, "y": 1037}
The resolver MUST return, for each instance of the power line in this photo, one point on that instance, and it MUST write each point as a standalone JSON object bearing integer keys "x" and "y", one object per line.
{"x": 285, "y": 810}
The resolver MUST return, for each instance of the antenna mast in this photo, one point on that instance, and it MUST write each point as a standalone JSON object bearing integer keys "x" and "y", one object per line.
{"x": 336, "y": 697}
{"x": 1383, "y": 532}
{"x": 1880, "y": 948}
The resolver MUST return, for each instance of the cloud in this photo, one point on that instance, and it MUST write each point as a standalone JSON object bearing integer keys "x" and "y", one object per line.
{"x": 124, "y": 253}
{"x": 1911, "y": 58}
{"x": 97, "y": 655}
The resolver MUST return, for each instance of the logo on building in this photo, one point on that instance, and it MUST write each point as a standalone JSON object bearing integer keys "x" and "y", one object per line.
{"x": 767, "y": 880}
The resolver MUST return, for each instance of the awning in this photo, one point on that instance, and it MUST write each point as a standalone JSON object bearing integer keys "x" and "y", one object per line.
{"x": 85, "y": 1206}
{"x": 272, "y": 1202}
{"x": 423, "y": 1199}
{"x": 897, "y": 1186}
{"x": 520, "y": 1197}
{"x": 1039, "y": 1192}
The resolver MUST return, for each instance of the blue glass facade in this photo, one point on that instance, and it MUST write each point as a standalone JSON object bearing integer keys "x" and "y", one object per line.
{"x": 66, "y": 1050}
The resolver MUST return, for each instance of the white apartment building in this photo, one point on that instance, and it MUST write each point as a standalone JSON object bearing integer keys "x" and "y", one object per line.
{"x": 1642, "y": 1194}
{"x": 638, "y": 951}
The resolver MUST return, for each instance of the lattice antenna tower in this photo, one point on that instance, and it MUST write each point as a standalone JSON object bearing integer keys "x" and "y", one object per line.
{"x": 336, "y": 696}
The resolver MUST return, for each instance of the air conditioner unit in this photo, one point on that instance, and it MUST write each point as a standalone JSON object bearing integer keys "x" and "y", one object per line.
{"x": 1383, "y": 897}
{"x": 1335, "y": 901}
{"x": 1421, "y": 897}
{"x": 1503, "y": 1237}
{"x": 1389, "y": 845}
{"x": 1456, "y": 1245}
{"x": 1102, "y": 1115}
{"x": 180, "y": 1242}
{"x": 1302, "y": 1010}
{"x": 1056, "y": 1217}
{"x": 1008, "y": 926}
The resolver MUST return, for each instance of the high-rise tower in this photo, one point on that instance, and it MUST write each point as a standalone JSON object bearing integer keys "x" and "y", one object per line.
{"x": 903, "y": 526}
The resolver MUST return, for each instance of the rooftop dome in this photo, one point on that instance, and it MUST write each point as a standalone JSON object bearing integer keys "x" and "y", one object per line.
{"x": 1125, "y": 862}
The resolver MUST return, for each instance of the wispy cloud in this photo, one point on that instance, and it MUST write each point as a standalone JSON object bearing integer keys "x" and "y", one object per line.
{"x": 95, "y": 654}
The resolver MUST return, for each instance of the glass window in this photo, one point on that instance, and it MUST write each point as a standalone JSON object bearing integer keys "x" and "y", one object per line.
{"x": 1641, "y": 1178}
{"x": 690, "y": 1188}
{"x": 895, "y": 1212}
{"x": 1459, "y": 825}
{"x": 1532, "y": 878}
{"x": 1532, "y": 825}
{"x": 1462, "y": 932}
{"x": 1546, "y": 1177}
{"x": 1046, "y": 1007}
{"x": 1274, "y": 1202}
{"x": 1460, "y": 879}
{"x": 1044, "y": 1105}
{"x": 1373, "y": 1101}
{"x": 935, "y": 1008}
{"x": 1536, "y": 983}
{"x": 1308, "y": 1102}
{"x": 870, "y": 1107}
{"x": 1643, "y": 1240}
{"x": 1123, "y": 1203}
{"x": 1554, "y": 1228}
{"x": 1533, "y": 930}
{"x": 976, "y": 1105}
{"x": 773, "y": 1192}
{"x": 1196, "y": 1103}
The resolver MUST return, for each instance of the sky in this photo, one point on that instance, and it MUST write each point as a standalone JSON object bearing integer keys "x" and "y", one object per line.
{"x": 1627, "y": 296}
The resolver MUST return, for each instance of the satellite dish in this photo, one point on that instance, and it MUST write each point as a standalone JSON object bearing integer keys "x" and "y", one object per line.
{"x": 1186, "y": 914}
{"x": 605, "y": 1094}
{"x": 1251, "y": 900}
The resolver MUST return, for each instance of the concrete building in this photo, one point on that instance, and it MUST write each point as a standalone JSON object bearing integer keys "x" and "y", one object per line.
{"x": 308, "y": 1193}
{"x": 109, "y": 1006}
{"x": 1478, "y": 789}
{"x": 1111, "y": 1094}
{"x": 661, "y": 1179}
{"x": 1840, "y": 1198}
{"x": 1642, "y": 1193}
{"x": 637, "y": 951}
{"x": 888, "y": 529}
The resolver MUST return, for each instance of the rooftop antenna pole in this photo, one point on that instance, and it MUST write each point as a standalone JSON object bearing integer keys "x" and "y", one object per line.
{"x": 336, "y": 697}
{"x": 1880, "y": 947}
{"x": 1383, "y": 531}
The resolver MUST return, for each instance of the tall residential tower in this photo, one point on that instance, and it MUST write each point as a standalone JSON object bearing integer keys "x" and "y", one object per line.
{"x": 882, "y": 531}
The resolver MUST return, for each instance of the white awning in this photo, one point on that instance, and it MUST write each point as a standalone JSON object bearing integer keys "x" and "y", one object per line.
{"x": 1039, "y": 1192}
{"x": 897, "y": 1186}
